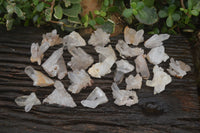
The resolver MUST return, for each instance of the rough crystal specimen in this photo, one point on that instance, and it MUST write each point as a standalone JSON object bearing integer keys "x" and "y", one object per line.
{"x": 126, "y": 51}
{"x": 28, "y": 101}
{"x": 157, "y": 55}
{"x": 160, "y": 80}
{"x": 156, "y": 40}
{"x": 80, "y": 59}
{"x": 133, "y": 37}
{"x": 79, "y": 79}
{"x": 96, "y": 97}
{"x": 123, "y": 97}
{"x": 52, "y": 38}
{"x": 39, "y": 79}
{"x": 73, "y": 40}
{"x": 107, "y": 58}
{"x": 141, "y": 66}
{"x": 60, "y": 96}
{"x": 133, "y": 82}
{"x": 123, "y": 67}
{"x": 55, "y": 64}
{"x": 178, "y": 68}
{"x": 99, "y": 38}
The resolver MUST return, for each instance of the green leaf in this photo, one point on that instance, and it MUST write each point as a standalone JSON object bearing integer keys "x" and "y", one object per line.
{"x": 75, "y": 1}
{"x": 58, "y": 12}
{"x": 90, "y": 15}
{"x": 96, "y": 12}
{"x": 103, "y": 14}
{"x": 74, "y": 20}
{"x": 190, "y": 4}
{"x": 84, "y": 20}
{"x": 133, "y": 5}
{"x": 149, "y": 3}
{"x": 92, "y": 23}
{"x": 162, "y": 14}
{"x": 73, "y": 11}
{"x": 181, "y": 9}
{"x": 48, "y": 14}
{"x": 35, "y": 2}
{"x": 106, "y": 2}
{"x": 147, "y": 16}
{"x": 40, "y": 6}
{"x": 135, "y": 12}
{"x": 169, "y": 21}
{"x": 9, "y": 23}
{"x": 111, "y": 2}
{"x": 99, "y": 20}
{"x": 67, "y": 3}
{"x": 195, "y": 12}
{"x": 108, "y": 26}
{"x": 197, "y": 6}
{"x": 19, "y": 12}
{"x": 140, "y": 5}
{"x": 171, "y": 9}
{"x": 176, "y": 17}
{"x": 127, "y": 13}
{"x": 10, "y": 9}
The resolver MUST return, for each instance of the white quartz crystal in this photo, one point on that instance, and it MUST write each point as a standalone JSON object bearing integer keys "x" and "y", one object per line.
{"x": 107, "y": 58}
{"x": 160, "y": 80}
{"x": 99, "y": 38}
{"x": 60, "y": 96}
{"x": 141, "y": 66}
{"x": 132, "y": 36}
{"x": 52, "y": 38}
{"x": 126, "y": 51}
{"x": 55, "y": 64}
{"x": 28, "y": 101}
{"x": 123, "y": 97}
{"x": 79, "y": 79}
{"x": 178, "y": 68}
{"x": 80, "y": 59}
{"x": 157, "y": 55}
{"x": 96, "y": 97}
{"x": 133, "y": 82}
{"x": 39, "y": 79}
{"x": 73, "y": 40}
{"x": 156, "y": 40}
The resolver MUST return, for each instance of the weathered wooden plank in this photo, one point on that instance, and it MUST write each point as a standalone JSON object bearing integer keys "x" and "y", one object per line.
{"x": 174, "y": 110}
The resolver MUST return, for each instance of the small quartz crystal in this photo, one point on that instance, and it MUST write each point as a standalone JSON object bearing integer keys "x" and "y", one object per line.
{"x": 178, "y": 68}
{"x": 55, "y": 64}
{"x": 123, "y": 67}
{"x": 157, "y": 55}
{"x": 96, "y": 97}
{"x": 60, "y": 96}
{"x": 160, "y": 80}
{"x": 73, "y": 40}
{"x": 39, "y": 79}
{"x": 52, "y": 38}
{"x": 99, "y": 38}
{"x": 133, "y": 37}
{"x": 79, "y": 79}
{"x": 156, "y": 40}
{"x": 126, "y": 51}
{"x": 141, "y": 66}
{"x": 123, "y": 97}
{"x": 80, "y": 59}
{"x": 133, "y": 82}
{"x": 28, "y": 101}
{"x": 107, "y": 58}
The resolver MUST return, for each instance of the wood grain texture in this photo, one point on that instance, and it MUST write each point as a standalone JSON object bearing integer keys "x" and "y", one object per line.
{"x": 174, "y": 110}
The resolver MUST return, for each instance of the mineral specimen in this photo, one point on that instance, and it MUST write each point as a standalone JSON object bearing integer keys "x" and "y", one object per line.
{"x": 99, "y": 38}
{"x": 133, "y": 82}
{"x": 157, "y": 55}
{"x": 39, "y": 79}
{"x": 52, "y": 38}
{"x": 141, "y": 66}
{"x": 156, "y": 40}
{"x": 96, "y": 97}
{"x": 178, "y": 68}
{"x": 133, "y": 37}
{"x": 80, "y": 59}
{"x": 126, "y": 51}
{"x": 28, "y": 101}
{"x": 123, "y": 97}
{"x": 60, "y": 96}
{"x": 160, "y": 80}
{"x": 79, "y": 79}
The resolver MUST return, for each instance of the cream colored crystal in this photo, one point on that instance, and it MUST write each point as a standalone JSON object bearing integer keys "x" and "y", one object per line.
{"x": 132, "y": 36}
{"x": 79, "y": 79}
{"x": 133, "y": 82}
{"x": 123, "y": 97}
{"x": 99, "y": 38}
{"x": 96, "y": 97}
{"x": 28, "y": 101}
{"x": 160, "y": 80}
{"x": 52, "y": 38}
{"x": 156, "y": 40}
{"x": 157, "y": 55}
{"x": 39, "y": 79}
{"x": 60, "y": 96}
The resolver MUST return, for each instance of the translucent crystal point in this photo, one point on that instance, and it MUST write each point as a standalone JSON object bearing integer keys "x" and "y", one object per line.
{"x": 52, "y": 38}
{"x": 156, "y": 40}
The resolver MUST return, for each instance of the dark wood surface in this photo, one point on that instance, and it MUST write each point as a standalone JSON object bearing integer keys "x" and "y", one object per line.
{"x": 174, "y": 110}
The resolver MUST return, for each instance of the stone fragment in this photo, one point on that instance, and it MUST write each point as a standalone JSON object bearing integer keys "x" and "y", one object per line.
{"x": 133, "y": 82}
{"x": 52, "y": 38}
{"x": 156, "y": 40}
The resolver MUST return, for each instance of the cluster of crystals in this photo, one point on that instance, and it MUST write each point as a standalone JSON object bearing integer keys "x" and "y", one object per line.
{"x": 81, "y": 61}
